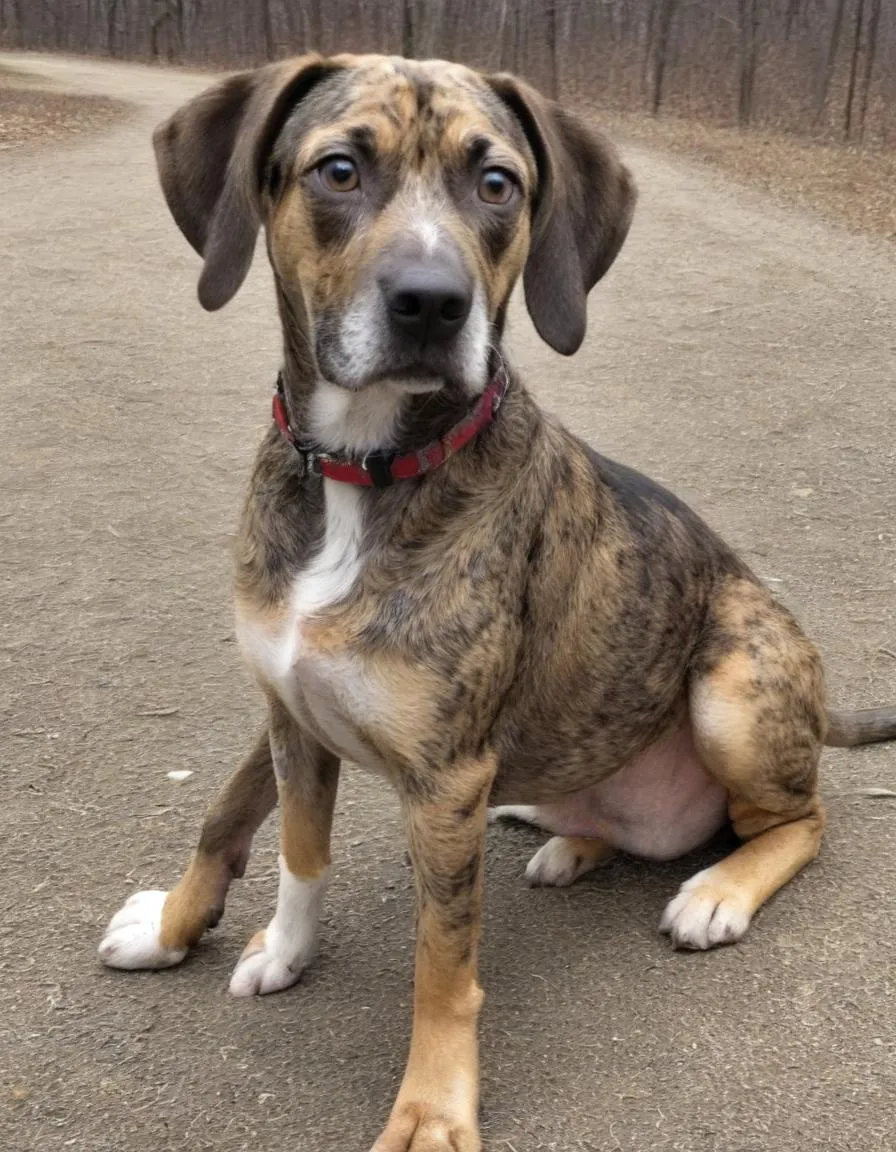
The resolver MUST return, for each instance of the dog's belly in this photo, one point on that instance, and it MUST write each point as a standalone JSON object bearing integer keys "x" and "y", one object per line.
{"x": 660, "y": 805}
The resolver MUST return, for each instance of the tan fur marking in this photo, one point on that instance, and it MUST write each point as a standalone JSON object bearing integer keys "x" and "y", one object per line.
{"x": 190, "y": 905}
{"x": 304, "y": 833}
{"x": 756, "y": 870}
{"x": 759, "y": 718}
{"x": 439, "y": 1096}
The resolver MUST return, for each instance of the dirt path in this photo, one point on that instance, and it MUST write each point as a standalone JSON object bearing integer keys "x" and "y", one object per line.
{"x": 739, "y": 352}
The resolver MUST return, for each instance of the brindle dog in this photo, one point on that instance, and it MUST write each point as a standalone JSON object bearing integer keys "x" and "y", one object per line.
{"x": 529, "y": 624}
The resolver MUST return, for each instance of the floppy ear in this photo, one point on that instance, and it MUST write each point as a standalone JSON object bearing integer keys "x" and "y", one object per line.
{"x": 583, "y": 208}
{"x": 212, "y": 154}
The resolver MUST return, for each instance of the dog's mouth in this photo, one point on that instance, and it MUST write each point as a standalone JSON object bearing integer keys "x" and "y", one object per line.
{"x": 415, "y": 371}
{"x": 416, "y": 378}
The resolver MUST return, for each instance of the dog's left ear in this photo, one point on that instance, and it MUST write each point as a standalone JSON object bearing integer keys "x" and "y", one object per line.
{"x": 583, "y": 208}
{"x": 212, "y": 155}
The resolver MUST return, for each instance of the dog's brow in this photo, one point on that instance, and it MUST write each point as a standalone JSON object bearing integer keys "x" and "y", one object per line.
{"x": 363, "y": 138}
{"x": 478, "y": 148}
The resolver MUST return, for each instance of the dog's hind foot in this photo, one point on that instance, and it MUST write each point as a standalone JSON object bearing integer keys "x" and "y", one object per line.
{"x": 135, "y": 937}
{"x": 524, "y": 813}
{"x": 564, "y": 859}
{"x": 706, "y": 914}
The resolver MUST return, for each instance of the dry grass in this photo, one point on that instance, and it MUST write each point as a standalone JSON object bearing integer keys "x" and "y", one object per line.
{"x": 30, "y": 114}
{"x": 851, "y": 186}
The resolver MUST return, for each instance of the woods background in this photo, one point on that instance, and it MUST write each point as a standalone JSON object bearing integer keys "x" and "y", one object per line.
{"x": 823, "y": 68}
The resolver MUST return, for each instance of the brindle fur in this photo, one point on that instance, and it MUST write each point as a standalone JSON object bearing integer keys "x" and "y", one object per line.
{"x": 536, "y": 615}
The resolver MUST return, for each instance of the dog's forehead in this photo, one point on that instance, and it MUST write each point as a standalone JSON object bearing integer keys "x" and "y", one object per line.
{"x": 428, "y": 104}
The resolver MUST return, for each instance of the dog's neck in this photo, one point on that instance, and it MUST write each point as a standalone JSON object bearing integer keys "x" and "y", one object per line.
{"x": 384, "y": 416}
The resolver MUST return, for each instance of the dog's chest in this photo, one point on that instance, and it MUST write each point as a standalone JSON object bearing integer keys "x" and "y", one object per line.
{"x": 324, "y": 686}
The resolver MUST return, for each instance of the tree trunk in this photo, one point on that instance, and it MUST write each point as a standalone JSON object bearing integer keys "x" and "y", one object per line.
{"x": 853, "y": 71}
{"x": 649, "y": 31}
{"x": 870, "y": 55}
{"x": 749, "y": 36}
{"x": 661, "y": 52}
{"x": 267, "y": 28}
{"x": 793, "y": 11}
{"x": 827, "y": 72}
{"x": 407, "y": 29}
{"x": 553, "y": 84}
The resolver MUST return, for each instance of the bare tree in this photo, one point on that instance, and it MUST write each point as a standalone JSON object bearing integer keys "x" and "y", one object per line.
{"x": 161, "y": 21}
{"x": 665, "y": 18}
{"x": 793, "y": 11}
{"x": 853, "y": 71}
{"x": 749, "y": 39}
{"x": 111, "y": 14}
{"x": 407, "y": 28}
{"x": 870, "y": 54}
{"x": 267, "y": 28}
{"x": 649, "y": 31}
{"x": 553, "y": 84}
{"x": 787, "y": 56}
{"x": 827, "y": 73}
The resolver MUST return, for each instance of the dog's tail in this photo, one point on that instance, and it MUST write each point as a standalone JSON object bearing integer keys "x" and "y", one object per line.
{"x": 865, "y": 726}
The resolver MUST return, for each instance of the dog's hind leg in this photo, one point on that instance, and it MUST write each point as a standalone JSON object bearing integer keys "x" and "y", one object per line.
{"x": 307, "y": 779}
{"x": 757, "y": 708}
{"x": 155, "y": 929}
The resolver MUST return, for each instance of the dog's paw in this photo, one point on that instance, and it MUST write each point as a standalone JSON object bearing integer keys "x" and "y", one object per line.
{"x": 555, "y": 864}
{"x": 705, "y": 913}
{"x": 275, "y": 957}
{"x": 268, "y": 965}
{"x": 524, "y": 813}
{"x": 564, "y": 859}
{"x": 133, "y": 938}
{"x": 414, "y": 1128}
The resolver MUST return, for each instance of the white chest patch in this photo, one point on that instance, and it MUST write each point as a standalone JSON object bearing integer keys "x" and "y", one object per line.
{"x": 331, "y": 690}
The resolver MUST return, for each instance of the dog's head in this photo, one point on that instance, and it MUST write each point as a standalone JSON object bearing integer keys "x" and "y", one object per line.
{"x": 401, "y": 201}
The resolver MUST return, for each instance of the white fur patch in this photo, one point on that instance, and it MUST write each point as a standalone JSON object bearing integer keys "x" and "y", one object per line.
{"x": 132, "y": 938}
{"x": 356, "y": 422}
{"x": 527, "y": 813}
{"x": 326, "y": 580}
{"x": 704, "y": 915}
{"x": 289, "y": 942}
{"x": 474, "y": 344}
{"x": 557, "y": 864}
{"x": 430, "y": 232}
{"x": 333, "y": 689}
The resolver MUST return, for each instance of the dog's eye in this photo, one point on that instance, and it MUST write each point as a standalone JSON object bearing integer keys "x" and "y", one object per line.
{"x": 496, "y": 186}
{"x": 339, "y": 174}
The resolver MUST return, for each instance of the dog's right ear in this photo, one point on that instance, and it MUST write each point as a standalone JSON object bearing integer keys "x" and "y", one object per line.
{"x": 583, "y": 209}
{"x": 211, "y": 156}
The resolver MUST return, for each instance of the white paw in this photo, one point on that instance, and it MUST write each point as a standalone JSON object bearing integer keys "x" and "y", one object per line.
{"x": 705, "y": 914}
{"x": 132, "y": 938}
{"x": 527, "y": 813}
{"x": 558, "y": 863}
{"x": 267, "y": 965}
{"x": 274, "y": 958}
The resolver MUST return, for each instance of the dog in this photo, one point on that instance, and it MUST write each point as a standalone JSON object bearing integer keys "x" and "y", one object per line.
{"x": 437, "y": 581}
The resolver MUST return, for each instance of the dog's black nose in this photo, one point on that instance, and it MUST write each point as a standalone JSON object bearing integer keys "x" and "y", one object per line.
{"x": 431, "y": 304}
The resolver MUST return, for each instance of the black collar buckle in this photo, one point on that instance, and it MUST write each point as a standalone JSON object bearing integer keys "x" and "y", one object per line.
{"x": 378, "y": 465}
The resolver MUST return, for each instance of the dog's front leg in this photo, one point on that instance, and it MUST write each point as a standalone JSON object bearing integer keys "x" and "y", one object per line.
{"x": 307, "y": 778}
{"x": 437, "y": 1104}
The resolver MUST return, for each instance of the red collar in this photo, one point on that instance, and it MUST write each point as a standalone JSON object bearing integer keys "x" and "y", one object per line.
{"x": 380, "y": 469}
